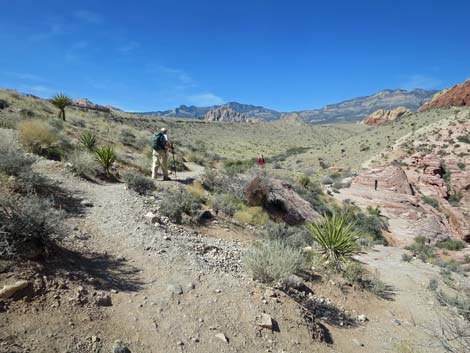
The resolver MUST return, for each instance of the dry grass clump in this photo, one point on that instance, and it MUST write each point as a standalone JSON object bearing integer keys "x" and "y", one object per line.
{"x": 139, "y": 183}
{"x": 197, "y": 190}
{"x": 37, "y": 136}
{"x": 252, "y": 215}
{"x": 83, "y": 164}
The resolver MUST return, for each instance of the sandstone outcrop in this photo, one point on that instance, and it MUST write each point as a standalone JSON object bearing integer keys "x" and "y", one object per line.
{"x": 225, "y": 114}
{"x": 87, "y": 104}
{"x": 459, "y": 95}
{"x": 280, "y": 200}
{"x": 384, "y": 116}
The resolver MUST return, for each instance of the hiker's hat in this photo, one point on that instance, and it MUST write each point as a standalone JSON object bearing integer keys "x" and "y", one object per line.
{"x": 163, "y": 130}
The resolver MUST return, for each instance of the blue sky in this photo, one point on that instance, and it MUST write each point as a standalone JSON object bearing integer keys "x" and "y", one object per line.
{"x": 285, "y": 55}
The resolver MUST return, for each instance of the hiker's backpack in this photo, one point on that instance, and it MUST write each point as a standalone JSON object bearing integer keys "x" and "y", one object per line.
{"x": 158, "y": 142}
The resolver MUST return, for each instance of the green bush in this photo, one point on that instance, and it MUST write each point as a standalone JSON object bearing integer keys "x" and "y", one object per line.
{"x": 464, "y": 138}
{"x": 454, "y": 198}
{"x": 105, "y": 156}
{"x": 353, "y": 272}
{"x": 421, "y": 249}
{"x": 461, "y": 165}
{"x": 12, "y": 160}
{"x": 127, "y": 137}
{"x": 227, "y": 204}
{"x": 88, "y": 140}
{"x": 273, "y": 261}
{"x": 28, "y": 226}
{"x": 431, "y": 202}
{"x": 451, "y": 244}
{"x": 83, "y": 164}
{"x": 139, "y": 183}
{"x": 177, "y": 203}
{"x": 336, "y": 237}
{"x": 296, "y": 237}
{"x": 233, "y": 167}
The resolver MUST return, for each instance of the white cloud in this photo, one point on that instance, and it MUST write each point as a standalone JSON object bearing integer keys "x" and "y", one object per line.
{"x": 420, "y": 81}
{"x": 205, "y": 99}
{"x": 89, "y": 17}
{"x": 128, "y": 47}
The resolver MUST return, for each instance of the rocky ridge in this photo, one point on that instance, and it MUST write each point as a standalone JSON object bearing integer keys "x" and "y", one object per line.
{"x": 459, "y": 95}
{"x": 225, "y": 114}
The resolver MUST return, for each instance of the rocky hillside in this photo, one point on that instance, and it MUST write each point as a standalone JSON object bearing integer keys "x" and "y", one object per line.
{"x": 383, "y": 116}
{"x": 459, "y": 95}
{"x": 225, "y": 114}
{"x": 426, "y": 189}
{"x": 358, "y": 108}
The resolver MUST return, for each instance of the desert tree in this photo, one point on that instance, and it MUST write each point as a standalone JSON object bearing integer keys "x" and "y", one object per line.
{"x": 61, "y": 101}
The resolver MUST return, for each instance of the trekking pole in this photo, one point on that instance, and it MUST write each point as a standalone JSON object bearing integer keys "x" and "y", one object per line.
{"x": 174, "y": 161}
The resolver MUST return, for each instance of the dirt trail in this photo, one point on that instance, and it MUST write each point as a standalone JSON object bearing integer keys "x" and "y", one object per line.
{"x": 174, "y": 290}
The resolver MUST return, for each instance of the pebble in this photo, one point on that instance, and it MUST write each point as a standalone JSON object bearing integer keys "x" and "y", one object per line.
{"x": 175, "y": 289}
{"x": 221, "y": 337}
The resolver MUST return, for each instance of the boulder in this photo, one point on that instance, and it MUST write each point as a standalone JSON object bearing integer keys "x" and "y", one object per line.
{"x": 280, "y": 200}
{"x": 384, "y": 116}
{"x": 390, "y": 178}
{"x": 10, "y": 290}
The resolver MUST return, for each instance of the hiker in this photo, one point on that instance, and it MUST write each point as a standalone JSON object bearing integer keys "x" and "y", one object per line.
{"x": 260, "y": 161}
{"x": 376, "y": 183}
{"x": 160, "y": 146}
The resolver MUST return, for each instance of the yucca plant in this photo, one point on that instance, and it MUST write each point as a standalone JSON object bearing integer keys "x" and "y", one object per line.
{"x": 336, "y": 237}
{"x": 61, "y": 101}
{"x": 105, "y": 156}
{"x": 88, "y": 140}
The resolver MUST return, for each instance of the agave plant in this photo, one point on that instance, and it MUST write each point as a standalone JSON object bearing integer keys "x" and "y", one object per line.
{"x": 105, "y": 156}
{"x": 88, "y": 140}
{"x": 336, "y": 237}
{"x": 61, "y": 101}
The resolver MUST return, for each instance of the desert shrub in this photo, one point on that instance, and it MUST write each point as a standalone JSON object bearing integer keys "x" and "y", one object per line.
{"x": 196, "y": 189}
{"x": 273, "y": 261}
{"x": 326, "y": 180}
{"x": 27, "y": 226}
{"x": 4, "y": 104}
{"x": 421, "y": 249}
{"x": 406, "y": 257}
{"x": 353, "y": 272}
{"x": 451, "y": 244}
{"x": 233, "y": 167}
{"x": 221, "y": 183}
{"x": 56, "y": 124}
{"x": 314, "y": 195}
{"x": 177, "y": 203}
{"x": 105, "y": 156}
{"x": 12, "y": 160}
{"x": 127, "y": 137}
{"x": 37, "y": 137}
{"x": 305, "y": 181}
{"x": 461, "y": 165}
{"x": 226, "y": 203}
{"x": 83, "y": 164}
{"x": 431, "y": 202}
{"x": 88, "y": 140}
{"x": 454, "y": 198}
{"x": 464, "y": 138}
{"x": 139, "y": 183}
{"x": 252, "y": 215}
{"x": 296, "y": 237}
{"x": 336, "y": 237}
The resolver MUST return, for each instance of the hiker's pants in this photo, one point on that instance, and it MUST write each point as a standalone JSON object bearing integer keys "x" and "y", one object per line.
{"x": 160, "y": 158}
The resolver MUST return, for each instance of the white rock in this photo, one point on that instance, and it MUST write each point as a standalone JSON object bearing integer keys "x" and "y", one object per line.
{"x": 8, "y": 291}
{"x": 221, "y": 337}
{"x": 266, "y": 321}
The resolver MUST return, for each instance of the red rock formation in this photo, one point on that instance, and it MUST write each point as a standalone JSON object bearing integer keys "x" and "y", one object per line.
{"x": 459, "y": 95}
{"x": 383, "y": 116}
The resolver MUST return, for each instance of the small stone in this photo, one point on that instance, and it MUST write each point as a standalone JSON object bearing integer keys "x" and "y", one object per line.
{"x": 8, "y": 291}
{"x": 152, "y": 217}
{"x": 180, "y": 343}
{"x": 86, "y": 203}
{"x": 103, "y": 299}
{"x": 221, "y": 337}
{"x": 120, "y": 348}
{"x": 266, "y": 321}
{"x": 357, "y": 343}
{"x": 362, "y": 318}
{"x": 175, "y": 289}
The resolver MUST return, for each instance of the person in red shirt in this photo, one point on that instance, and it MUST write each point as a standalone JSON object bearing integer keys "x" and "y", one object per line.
{"x": 260, "y": 161}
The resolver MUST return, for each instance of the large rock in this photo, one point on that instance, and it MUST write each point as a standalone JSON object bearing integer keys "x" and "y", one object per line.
{"x": 390, "y": 178}
{"x": 280, "y": 200}
{"x": 225, "y": 114}
{"x": 459, "y": 95}
{"x": 384, "y": 116}
{"x": 87, "y": 104}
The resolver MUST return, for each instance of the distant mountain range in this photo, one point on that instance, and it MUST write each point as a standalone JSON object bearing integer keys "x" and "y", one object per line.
{"x": 350, "y": 110}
